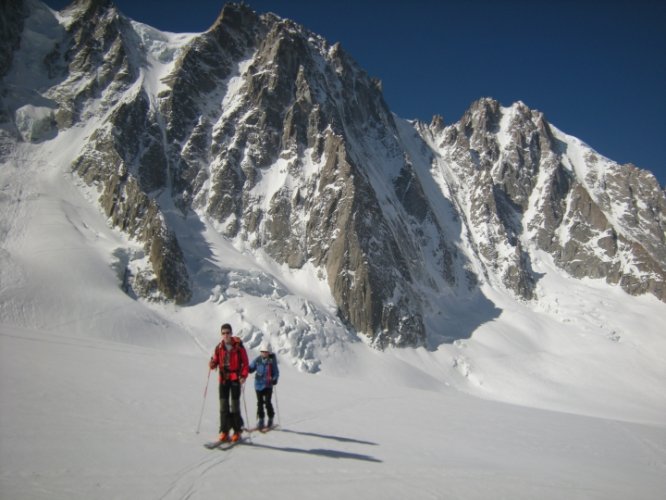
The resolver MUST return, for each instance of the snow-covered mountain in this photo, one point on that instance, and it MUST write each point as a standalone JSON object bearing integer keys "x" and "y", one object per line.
{"x": 282, "y": 143}
{"x": 155, "y": 185}
{"x": 259, "y": 135}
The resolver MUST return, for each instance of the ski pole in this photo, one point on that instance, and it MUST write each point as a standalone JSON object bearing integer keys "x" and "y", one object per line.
{"x": 277, "y": 404}
{"x": 203, "y": 403}
{"x": 249, "y": 434}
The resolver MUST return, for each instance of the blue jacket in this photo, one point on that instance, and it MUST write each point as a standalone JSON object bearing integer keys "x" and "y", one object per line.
{"x": 267, "y": 372}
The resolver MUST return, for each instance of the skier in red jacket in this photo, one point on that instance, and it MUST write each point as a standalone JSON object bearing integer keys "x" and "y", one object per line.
{"x": 231, "y": 359}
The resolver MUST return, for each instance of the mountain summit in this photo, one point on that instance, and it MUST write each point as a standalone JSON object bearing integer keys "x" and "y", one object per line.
{"x": 279, "y": 141}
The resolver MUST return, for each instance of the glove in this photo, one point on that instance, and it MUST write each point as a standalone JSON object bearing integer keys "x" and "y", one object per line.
{"x": 211, "y": 364}
{"x": 274, "y": 381}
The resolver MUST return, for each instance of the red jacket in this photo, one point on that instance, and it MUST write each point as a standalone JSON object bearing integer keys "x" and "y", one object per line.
{"x": 237, "y": 363}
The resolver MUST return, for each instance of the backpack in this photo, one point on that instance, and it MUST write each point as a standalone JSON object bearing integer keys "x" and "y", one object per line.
{"x": 236, "y": 346}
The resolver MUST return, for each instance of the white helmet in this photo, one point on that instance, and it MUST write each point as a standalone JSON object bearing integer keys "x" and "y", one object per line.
{"x": 265, "y": 347}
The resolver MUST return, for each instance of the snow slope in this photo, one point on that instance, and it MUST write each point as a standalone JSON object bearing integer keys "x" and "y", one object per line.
{"x": 101, "y": 394}
{"x": 88, "y": 418}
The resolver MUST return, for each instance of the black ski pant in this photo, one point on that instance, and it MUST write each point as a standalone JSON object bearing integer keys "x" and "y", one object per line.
{"x": 264, "y": 399}
{"x": 230, "y": 414}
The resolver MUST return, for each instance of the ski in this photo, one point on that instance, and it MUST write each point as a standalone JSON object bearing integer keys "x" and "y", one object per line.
{"x": 260, "y": 429}
{"x": 215, "y": 444}
{"x": 222, "y": 445}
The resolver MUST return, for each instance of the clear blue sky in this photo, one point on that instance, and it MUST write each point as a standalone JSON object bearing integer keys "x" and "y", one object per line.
{"x": 595, "y": 68}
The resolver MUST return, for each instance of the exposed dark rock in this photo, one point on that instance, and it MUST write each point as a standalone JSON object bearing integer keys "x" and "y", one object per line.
{"x": 288, "y": 146}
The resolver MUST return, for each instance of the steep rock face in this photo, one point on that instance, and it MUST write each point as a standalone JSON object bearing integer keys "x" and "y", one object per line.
{"x": 93, "y": 70}
{"x": 283, "y": 144}
{"x": 91, "y": 60}
{"x": 601, "y": 220}
{"x": 191, "y": 107}
{"x": 616, "y": 222}
{"x": 532, "y": 186}
{"x": 493, "y": 183}
{"x": 288, "y": 164}
{"x": 270, "y": 132}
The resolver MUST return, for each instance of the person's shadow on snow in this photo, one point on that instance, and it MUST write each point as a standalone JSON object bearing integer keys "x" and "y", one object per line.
{"x": 324, "y": 452}
{"x": 326, "y": 436}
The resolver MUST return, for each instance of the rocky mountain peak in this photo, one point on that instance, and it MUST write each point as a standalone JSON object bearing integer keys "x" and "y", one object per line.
{"x": 284, "y": 144}
{"x": 437, "y": 123}
{"x": 91, "y": 8}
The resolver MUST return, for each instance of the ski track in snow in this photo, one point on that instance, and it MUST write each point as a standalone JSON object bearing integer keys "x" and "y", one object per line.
{"x": 184, "y": 485}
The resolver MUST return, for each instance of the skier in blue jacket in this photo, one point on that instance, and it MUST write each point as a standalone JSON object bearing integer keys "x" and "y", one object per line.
{"x": 267, "y": 373}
